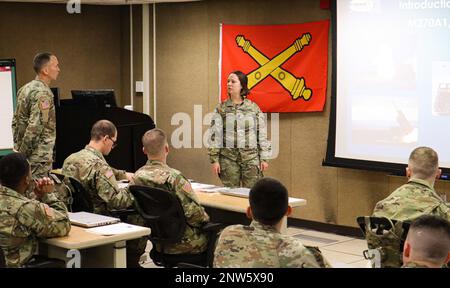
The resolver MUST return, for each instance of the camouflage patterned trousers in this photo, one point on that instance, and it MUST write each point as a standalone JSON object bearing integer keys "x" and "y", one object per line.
{"x": 238, "y": 173}
{"x": 40, "y": 169}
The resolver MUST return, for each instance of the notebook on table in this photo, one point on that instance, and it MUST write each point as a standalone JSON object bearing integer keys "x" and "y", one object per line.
{"x": 86, "y": 219}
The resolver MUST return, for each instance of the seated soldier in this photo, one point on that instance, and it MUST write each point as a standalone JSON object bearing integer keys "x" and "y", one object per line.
{"x": 417, "y": 197}
{"x": 90, "y": 168}
{"x": 428, "y": 243}
{"x": 261, "y": 245}
{"x": 156, "y": 173}
{"x": 22, "y": 220}
{"x": 406, "y": 203}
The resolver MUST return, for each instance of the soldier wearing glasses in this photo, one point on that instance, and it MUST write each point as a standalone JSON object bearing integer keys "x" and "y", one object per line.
{"x": 99, "y": 179}
{"x": 90, "y": 168}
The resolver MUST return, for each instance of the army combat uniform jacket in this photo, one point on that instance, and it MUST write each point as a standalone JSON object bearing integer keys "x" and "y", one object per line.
{"x": 160, "y": 175}
{"x": 262, "y": 246}
{"x": 23, "y": 221}
{"x": 90, "y": 168}
{"x": 34, "y": 122}
{"x": 414, "y": 199}
{"x": 238, "y": 132}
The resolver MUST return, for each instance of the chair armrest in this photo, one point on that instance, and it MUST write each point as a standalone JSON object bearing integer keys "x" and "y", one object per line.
{"x": 123, "y": 213}
{"x": 39, "y": 261}
{"x": 211, "y": 227}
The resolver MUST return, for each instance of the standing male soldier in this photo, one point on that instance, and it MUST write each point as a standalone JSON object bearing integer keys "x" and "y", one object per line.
{"x": 157, "y": 174}
{"x": 34, "y": 121}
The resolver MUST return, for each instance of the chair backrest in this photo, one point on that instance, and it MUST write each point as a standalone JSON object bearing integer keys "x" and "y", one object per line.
{"x": 163, "y": 213}
{"x": 64, "y": 189}
{"x": 386, "y": 237}
{"x": 82, "y": 201}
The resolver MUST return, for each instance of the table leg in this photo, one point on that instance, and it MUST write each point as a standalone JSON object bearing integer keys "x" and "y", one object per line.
{"x": 120, "y": 254}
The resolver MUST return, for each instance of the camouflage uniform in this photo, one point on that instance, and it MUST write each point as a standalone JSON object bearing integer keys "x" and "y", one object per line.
{"x": 240, "y": 150}
{"x": 34, "y": 126}
{"x": 23, "y": 220}
{"x": 414, "y": 199}
{"x": 90, "y": 168}
{"x": 262, "y": 246}
{"x": 159, "y": 175}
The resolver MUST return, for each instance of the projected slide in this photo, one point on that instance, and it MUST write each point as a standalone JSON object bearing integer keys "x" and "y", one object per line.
{"x": 393, "y": 79}
{"x": 6, "y": 106}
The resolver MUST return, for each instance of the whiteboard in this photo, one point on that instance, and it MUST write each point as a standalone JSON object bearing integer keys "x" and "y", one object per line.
{"x": 7, "y": 104}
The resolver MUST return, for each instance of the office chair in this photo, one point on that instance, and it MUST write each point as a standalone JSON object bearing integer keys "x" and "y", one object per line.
{"x": 82, "y": 201}
{"x": 64, "y": 189}
{"x": 163, "y": 213}
{"x": 386, "y": 237}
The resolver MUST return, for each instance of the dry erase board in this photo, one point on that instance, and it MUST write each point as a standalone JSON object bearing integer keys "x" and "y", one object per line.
{"x": 7, "y": 103}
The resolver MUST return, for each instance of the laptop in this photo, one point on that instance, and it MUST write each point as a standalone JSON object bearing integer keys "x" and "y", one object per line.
{"x": 237, "y": 192}
{"x": 88, "y": 220}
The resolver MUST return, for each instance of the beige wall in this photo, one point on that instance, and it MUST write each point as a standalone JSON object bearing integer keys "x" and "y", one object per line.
{"x": 187, "y": 75}
{"x": 88, "y": 45}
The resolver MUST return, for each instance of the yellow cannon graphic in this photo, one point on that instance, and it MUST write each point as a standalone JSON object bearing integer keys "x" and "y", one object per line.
{"x": 296, "y": 86}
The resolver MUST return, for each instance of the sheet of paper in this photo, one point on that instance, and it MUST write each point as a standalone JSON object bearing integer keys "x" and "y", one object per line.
{"x": 123, "y": 184}
{"x": 215, "y": 189}
{"x": 114, "y": 229}
{"x": 201, "y": 186}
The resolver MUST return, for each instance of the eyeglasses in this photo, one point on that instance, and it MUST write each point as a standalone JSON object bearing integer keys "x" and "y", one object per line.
{"x": 114, "y": 142}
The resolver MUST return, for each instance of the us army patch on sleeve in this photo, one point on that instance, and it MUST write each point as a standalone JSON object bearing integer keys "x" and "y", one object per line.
{"x": 187, "y": 187}
{"x": 109, "y": 173}
{"x": 48, "y": 211}
{"x": 44, "y": 105}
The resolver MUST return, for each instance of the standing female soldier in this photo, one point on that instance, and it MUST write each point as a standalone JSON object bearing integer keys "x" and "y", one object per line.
{"x": 239, "y": 147}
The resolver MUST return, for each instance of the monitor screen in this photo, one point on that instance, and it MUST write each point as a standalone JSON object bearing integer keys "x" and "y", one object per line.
{"x": 391, "y": 82}
{"x": 98, "y": 98}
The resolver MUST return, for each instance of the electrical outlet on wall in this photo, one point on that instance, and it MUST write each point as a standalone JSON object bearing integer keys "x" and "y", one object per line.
{"x": 140, "y": 86}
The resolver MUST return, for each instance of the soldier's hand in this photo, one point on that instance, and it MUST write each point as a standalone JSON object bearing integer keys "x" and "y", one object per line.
{"x": 43, "y": 186}
{"x": 264, "y": 166}
{"x": 130, "y": 178}
{"x": 216, "y": 168}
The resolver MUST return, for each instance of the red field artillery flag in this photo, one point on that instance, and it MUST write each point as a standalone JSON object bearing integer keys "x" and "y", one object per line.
{"x": 286, "y": 65}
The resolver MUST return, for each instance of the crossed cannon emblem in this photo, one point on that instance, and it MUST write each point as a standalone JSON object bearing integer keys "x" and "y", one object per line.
{"x": 296, "y": 86}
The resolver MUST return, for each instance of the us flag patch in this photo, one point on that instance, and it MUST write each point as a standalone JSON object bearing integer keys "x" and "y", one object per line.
{"x": 45, "y": 104}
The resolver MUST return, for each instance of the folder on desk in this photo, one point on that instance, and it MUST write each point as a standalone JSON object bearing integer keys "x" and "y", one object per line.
{"x": 86, "y": 219}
